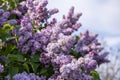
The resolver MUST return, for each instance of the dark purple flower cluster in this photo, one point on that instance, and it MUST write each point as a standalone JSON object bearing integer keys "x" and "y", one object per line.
{"x": 26, "y": 76}
{"x": 4, "y": 18}
{"x": 25, "y": 33}
{"x": 88, "y": 43}
{"x": 89, "y": 46}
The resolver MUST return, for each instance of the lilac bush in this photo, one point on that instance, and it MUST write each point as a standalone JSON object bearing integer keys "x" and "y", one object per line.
{"x": 36, "y": 48}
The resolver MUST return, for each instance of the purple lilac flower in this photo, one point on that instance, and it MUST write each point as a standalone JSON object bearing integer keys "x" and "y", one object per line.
{"x": 73, "y": 71}
{"x": 1, "y": 11}
{"x": 86, "y": 43}
{"x": 6, "y": 15}
{"x": 62, "y": 60}
{"x": 12, "y": 22}
{"x": 89, "y": 46}
{"x": 63, "y": 45}
{"x": 100, "y": 58}
{"x": 38, "y": 11}
{"x": 1, "y": 68}
{"x": 70, "y": 72}
{"x": 45, "y": 59}
{"x": 25, "y": 33}
{"x": 55, "y": 50}
{"x": 4, "y": 18}
{"x": 26, "y": 76}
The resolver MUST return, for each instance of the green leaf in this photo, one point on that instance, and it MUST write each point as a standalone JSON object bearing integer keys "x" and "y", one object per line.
{"x": 43, "y": 71}
{"x": 95, "y": 75}
{"x": 25, "y": 65}
{"x": 50, "y": 71}
{"x": 35, "y": 58}
{"x": 77, "y": 38}
{"x": 4, "y": 32}
{"x": 1, "y": 2}
{"x": 13, "y": 70}
{"x": 7, "y": 27}
{"x": 4, "y": 6}
{"x": 34, "y": 66}
{"x": 13, "y": 3}
{"x": 17, "y": 27}
{"x": 12, "y": 16}
{"x": 12, "y": 57}
{"x": 20, "y": 58}
{"x": 10, "y": 38}
{"x": 47, "y": 71}
{"x": 75, "y": 54}
{"x": 9, "y": 49}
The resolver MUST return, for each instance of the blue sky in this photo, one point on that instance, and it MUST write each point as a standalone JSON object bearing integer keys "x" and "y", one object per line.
{"x": 99, "y": 16}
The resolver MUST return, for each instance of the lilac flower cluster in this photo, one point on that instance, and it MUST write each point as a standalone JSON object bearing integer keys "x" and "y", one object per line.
{"x": 69, "y": 23}
{"x": 62, "y": 45}
{"x": 20, "y": 10}
{"x": 4, "y": 18}
{"x": 29, "y": 40}
{"x": 51, "y": 34}
{"x": 38, "y": 12}
{"x": 1, "y": 68}
{"x": 26, "y": 76}
{"x": 55, "y": 42}
{"x": 69, "y": 68}
{"x": 25, "y": 33}
{"x": 89, "y": 46}
{"x": 73, "y": 71}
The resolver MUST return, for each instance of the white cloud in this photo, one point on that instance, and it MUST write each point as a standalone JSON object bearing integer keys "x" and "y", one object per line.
{"x": 112, "y": 41}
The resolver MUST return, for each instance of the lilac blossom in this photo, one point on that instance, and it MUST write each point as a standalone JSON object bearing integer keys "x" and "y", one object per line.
{"x": 63, "y": 45}
{"x": 73, "y": 71}
{"x": 1, "y": 68}
{"x": 89, "y": 46}
{"x": 4, "y": 18}
{"x": 26, "y": 76}
{"x": 49, "y": 35}
{"x": 38, "y": 12}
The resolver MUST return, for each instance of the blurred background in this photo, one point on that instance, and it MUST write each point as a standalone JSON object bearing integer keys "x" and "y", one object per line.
{"x": 101, "y": 17}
